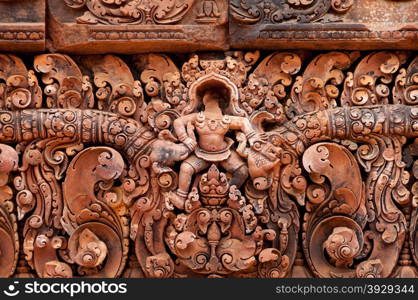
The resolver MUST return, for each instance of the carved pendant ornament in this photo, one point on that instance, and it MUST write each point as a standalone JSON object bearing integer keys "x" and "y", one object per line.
{"x": 301, "y": 11}
{"x": 221, "y": 165}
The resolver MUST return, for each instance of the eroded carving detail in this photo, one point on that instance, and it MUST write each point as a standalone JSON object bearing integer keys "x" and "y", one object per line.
{"x": 203, "y": 169}
{"x": 303, "y": 11}
{"x": 136, "y": 11}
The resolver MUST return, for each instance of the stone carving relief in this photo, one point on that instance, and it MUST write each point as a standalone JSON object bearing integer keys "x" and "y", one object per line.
{"x": 145, "y": 26}
{"x": 22, "y": 25}
{"x": 137, "y": 26}
{"x": 340, "y": 24}
{"x": 230, "y": 164}
{"x": 131, "y": 12}
{"x": 302, "y": 11}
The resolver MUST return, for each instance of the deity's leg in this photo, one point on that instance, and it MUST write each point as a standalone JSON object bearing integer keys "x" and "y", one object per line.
{"x": 188, "y": 168}
{"x": 237, "y": 167}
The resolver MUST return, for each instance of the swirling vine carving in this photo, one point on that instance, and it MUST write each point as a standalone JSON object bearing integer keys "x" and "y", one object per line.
{"x": 303, "y": 11}
{"x": 131, "y": 11}
{"x": 212, "y": 168}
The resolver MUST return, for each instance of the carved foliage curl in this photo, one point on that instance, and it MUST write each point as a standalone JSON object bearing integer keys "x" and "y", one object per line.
{"x": 131, "y": 11}
{"x": 105, "y": 162}
{"x": 301, "y": 11}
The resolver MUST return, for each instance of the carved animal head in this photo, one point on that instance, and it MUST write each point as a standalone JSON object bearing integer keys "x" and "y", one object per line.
{"x": 167, "y": 152}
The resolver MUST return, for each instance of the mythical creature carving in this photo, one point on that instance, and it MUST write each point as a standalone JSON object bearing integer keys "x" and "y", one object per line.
{"x": 209, "y": 169}
{"x": 135, "y": 11}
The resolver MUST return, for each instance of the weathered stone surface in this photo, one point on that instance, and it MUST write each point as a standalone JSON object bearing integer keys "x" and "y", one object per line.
{"x": 209, "y": 167}
{"x": 97, "y": 26}
{"x": 134, "y": 26}
{"x": 324, "y": 24}
{"x": 22, "y": 25}
{"x": 242, "y": 163}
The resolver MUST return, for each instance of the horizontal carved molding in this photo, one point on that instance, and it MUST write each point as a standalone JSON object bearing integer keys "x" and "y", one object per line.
{"x": 141, "y": 26}
{"x": 132, "y": 26}
{"x": 234, "y": 164}
{"x": 301, "y": 11}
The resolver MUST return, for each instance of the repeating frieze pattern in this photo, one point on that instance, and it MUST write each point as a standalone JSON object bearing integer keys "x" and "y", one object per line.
{"x": 301, "y": 11}
{"x": 222, "y": 165}
{"x": 133, "y": 12}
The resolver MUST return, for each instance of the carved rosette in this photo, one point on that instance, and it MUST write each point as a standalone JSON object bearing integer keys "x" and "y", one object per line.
{"x": 210, "y": 167}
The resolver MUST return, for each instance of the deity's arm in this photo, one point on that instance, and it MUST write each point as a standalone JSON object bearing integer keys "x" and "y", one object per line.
{"x": 180, "y": 126}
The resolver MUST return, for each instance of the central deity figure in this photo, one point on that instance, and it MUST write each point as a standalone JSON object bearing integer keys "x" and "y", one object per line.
{"x": 212, "y": 145}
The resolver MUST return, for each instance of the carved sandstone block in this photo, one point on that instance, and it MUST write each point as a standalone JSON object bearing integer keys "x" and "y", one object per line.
{"x": 132, "y": 26}
{"x": 22, "y": 25}
{"x": 235, "y": 164}
{"x": 324, "y": 24}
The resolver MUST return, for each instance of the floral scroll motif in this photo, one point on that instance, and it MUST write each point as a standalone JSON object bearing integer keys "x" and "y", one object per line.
{"x": 301, "y": 11}
{"x": 234, "y": 164}
{"x": 131, "y": 11}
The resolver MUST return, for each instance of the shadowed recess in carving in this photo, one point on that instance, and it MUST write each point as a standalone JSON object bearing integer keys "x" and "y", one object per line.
{"x": 145, "y": 166}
